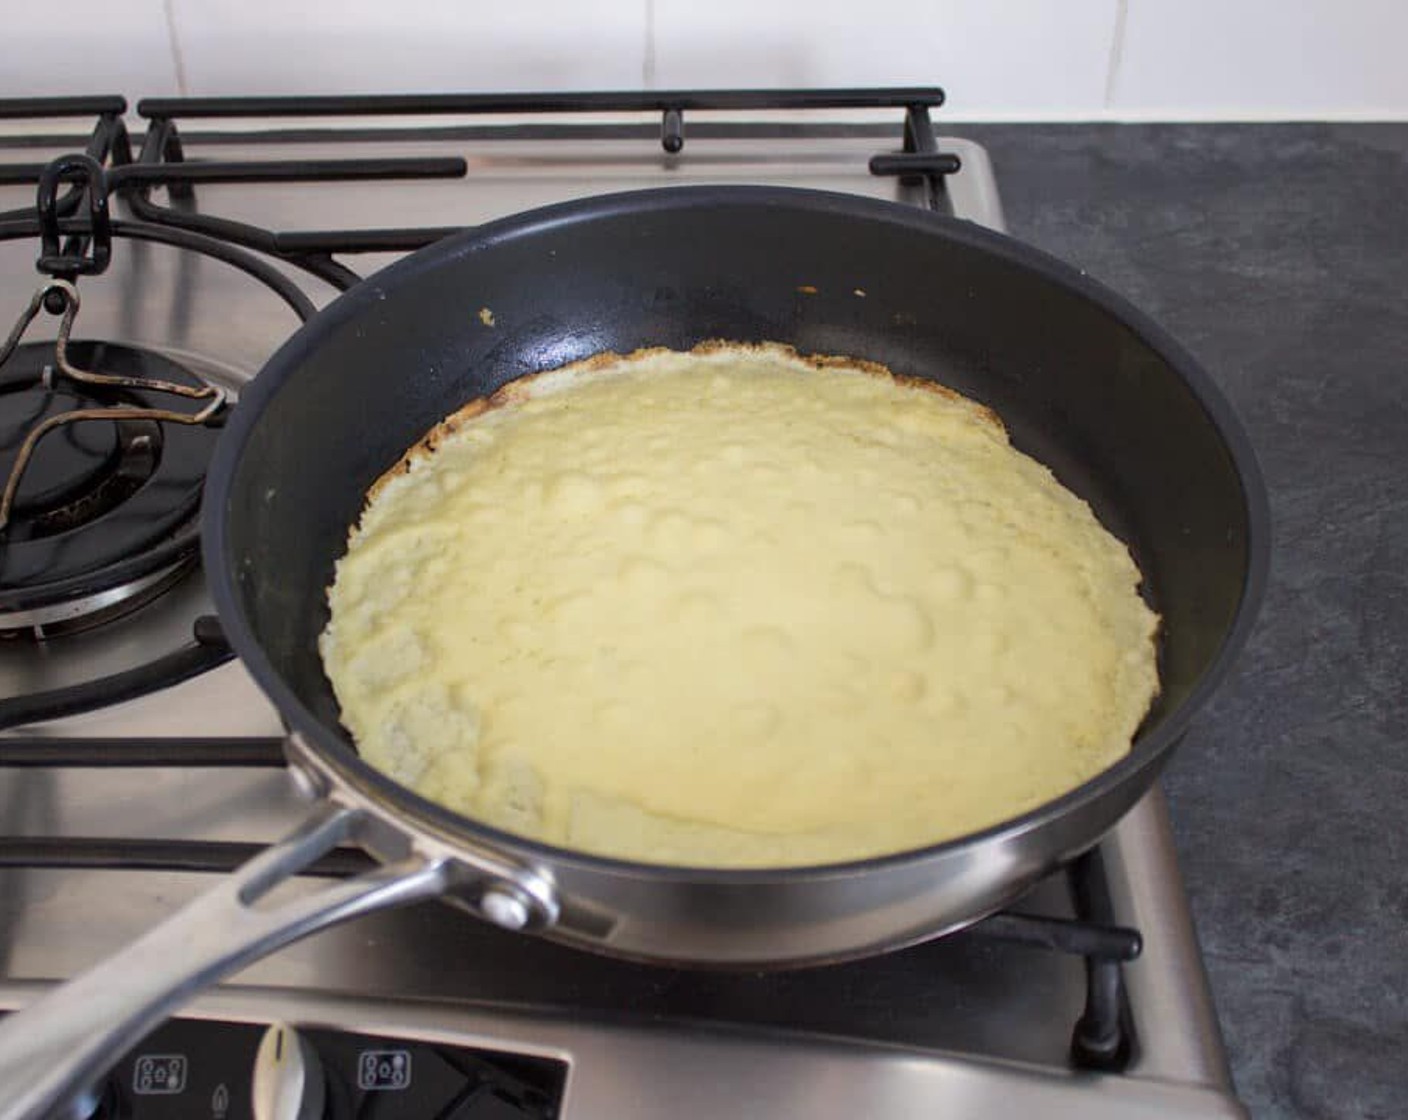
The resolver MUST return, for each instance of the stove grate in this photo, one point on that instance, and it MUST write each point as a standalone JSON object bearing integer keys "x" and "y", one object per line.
{"x": 162, "y": 158}
{"x": 108, "y": 139}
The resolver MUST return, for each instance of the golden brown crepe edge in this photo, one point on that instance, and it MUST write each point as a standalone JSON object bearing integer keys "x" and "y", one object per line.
{"x": 519, "y": 390}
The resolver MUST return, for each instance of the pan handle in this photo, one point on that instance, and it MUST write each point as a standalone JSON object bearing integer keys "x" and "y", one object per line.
{"x": 56, "y": 1049}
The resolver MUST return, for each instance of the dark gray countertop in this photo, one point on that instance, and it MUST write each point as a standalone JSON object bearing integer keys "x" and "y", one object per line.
{"x": 1279, "y": 255}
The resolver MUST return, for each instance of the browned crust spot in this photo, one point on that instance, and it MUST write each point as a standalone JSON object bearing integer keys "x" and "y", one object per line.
{"x": 519, "y": 390}
{"x": 432, "y": 439}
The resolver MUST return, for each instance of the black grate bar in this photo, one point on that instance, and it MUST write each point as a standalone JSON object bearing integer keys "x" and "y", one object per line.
{"x": 527, "y": 127}
{"x": 1077, "y": 938}
{"x": 919, "y": 145}
{"x": 179, "y": 665}
{"x": 207, "y": 649}
{"x": 229, "y": 233}
{"x": 584, "y": 102}
{"x": 24, "y": 108}
{"x": 281, "y": 285}
{"x": 1102, "y": 1039}
{"x": 915, "y": 163}
{"x": 34, "y": 751}
{"x": 162, "y": 148}
{"x": 361, "y": 240}
{"x": 108, "y": 140}
{"x": 208, "y": 856}
{"x": 1104, "y": 1036}
{"x": 20, "y": 174}
{"x": 281, "y": 171}
{"x": 314, "y": 250}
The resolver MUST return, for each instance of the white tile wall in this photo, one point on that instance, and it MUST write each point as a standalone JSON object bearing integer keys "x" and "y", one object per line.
{"x": 1045, "y": 58}
{"x": 1016, "y": 59}
{"x": 1262, "y": 58}
{"x": 124, "y": 47}
{"x": 367, "y": 46}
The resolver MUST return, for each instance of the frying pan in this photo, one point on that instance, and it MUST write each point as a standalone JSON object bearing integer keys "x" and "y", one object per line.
{"x": 1084, "y": 382}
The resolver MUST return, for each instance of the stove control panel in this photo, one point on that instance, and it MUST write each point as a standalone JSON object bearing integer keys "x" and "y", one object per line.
{"x": 193, "y": 1069}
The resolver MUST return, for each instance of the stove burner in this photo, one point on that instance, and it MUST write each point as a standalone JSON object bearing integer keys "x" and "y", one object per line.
{"x": 62, "y": 469}
{"x": 73, "y": 616}
{"x": 80, "y": 472}
{"x": 103, "y": 512}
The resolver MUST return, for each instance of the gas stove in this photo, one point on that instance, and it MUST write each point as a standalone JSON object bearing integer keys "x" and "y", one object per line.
{"x": 137, "y": 758}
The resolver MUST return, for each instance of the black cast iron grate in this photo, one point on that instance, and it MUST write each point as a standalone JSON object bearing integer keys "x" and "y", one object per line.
{"x": 162, "y": 161}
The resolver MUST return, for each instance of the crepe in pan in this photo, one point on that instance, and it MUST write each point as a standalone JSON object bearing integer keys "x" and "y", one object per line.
{"x": 735, "y": 607}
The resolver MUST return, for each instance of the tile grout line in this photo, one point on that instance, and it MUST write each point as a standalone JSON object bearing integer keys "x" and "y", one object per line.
{"x": 168, "y": 8}
{"x": 1112, "y": 72}
{"x": 647, "y": 67}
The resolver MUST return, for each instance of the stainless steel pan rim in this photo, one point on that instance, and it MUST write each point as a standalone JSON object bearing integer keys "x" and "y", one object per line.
{"x": 428, "y": 818}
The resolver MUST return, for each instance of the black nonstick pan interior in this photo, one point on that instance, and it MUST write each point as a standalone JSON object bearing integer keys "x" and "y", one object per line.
{"x": 1083, "y": 382}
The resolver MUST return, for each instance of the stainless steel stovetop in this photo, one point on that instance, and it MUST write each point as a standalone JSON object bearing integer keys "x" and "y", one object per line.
{"x": 964, "y": 1026}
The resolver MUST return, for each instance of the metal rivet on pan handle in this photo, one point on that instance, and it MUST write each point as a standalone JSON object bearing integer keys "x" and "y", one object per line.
{"x": 506, "y": 906}
{"x": 307, "y": 784}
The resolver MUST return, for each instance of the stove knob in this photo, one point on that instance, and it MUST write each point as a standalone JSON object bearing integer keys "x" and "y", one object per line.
{"x": 288, "y": 1077}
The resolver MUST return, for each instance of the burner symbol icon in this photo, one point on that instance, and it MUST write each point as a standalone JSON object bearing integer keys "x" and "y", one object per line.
{"x": 383, "y": 1069}
{"x": 159, "y": 1074}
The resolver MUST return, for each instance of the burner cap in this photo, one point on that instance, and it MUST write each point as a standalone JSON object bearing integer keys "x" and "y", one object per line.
{"x": 99, "y": 497}
{"x": 67, "y": 465}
